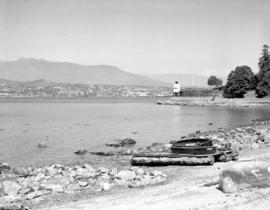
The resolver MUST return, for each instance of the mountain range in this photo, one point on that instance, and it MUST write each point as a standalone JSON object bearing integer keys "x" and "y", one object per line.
{"x": 29, "y": 69}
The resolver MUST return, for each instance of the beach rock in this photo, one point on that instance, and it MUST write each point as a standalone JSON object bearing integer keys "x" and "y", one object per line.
{"x": 103, "y": 170}
{"x": 55, "y": 188}
{"x": 113, "y": 171}
{"x": 82, "y": 172}
{"x": 80, "y": 151}
{"x": 25, "y": 190}
{"x": 156, "y": 147}
{"x": 51, "y": 170}
{"x": 72, "y": 187}
{"x": 65, "y": 180}
{"x": 104, "y": 153}
{"x": 227, "y": 184}
{"x": 264, "y": 135}
{"x": 113, "y": 144}
{"x": 127, "y": 141}
{"x": 122, "y": 142}
{"x": 158, "y": 173}
{"x": 42, "y": 144}
{"x": 104, "y": 177}
{"x": 105, "y": 186}
{"x": 88, "y": 167}
{"x": 36, "y": 194}
{"x": 255, "y": 146}
{"x": 11, "y": 188}
{"x": 39, "y": 177}
{"x": 13, "y": 207}
{"x": 83, "y": 184}
{"x": 4, "y": 167}
{"x": 125, "y": 175}
{"x": 134, "y": 184}
{"x": 140, "y": 171}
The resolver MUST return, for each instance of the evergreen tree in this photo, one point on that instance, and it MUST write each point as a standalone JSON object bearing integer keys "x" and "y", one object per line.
{"x": 263, "y": 76}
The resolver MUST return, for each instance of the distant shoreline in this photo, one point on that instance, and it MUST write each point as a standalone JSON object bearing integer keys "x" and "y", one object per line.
{"x": 81, "y": 100}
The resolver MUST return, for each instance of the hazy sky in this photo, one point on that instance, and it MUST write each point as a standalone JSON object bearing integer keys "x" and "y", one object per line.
{"x": 140, "y": 36}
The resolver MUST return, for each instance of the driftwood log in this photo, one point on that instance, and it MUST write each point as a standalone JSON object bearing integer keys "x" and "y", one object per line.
{"x": 170, "y": 159}
{"x": 163, "y": 159}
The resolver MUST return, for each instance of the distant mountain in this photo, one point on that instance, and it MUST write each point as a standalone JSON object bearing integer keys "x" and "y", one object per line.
{"x": 186, "y": 80}
{"x": 29, "y": 69}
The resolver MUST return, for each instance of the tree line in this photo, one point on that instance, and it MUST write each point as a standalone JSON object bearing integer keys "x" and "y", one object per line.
{"x": 242, "y": 79}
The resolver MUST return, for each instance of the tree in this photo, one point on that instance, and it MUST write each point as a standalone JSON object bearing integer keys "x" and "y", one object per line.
{"x": 214, "y": 81}
{"x": 263, "y": 76}
{"x": 239, "y": 81}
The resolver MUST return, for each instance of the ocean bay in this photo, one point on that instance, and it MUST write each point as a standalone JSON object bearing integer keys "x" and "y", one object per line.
{"x": 69, "y": 126}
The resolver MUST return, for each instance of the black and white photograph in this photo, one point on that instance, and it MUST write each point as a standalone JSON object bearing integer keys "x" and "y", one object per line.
{"x": 134, "y": 104}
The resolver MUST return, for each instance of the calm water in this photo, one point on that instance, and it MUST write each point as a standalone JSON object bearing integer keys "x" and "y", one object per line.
{"x": 69, "y": 126}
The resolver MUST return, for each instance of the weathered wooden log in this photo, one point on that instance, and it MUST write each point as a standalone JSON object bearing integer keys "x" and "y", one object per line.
{"x": 164, "y": 161}
{"x": 166, "y": 154}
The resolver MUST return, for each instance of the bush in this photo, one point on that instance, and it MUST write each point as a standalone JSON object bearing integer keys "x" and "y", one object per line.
{"x": 239, "y": 82}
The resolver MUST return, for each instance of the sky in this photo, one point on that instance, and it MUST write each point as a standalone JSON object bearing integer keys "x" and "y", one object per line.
{"x": 199, "y": 37}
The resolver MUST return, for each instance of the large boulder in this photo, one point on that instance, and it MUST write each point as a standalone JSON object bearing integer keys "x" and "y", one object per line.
{"x": 245, "y": 175}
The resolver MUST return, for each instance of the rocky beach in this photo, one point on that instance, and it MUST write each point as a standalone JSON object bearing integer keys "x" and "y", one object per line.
{"x": 56, "y": 185}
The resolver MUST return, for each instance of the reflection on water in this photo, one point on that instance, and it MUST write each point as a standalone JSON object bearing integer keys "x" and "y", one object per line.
{"x": 69, "y": 126}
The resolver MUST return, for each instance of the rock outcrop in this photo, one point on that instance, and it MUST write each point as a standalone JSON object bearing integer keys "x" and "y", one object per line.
{"x": 253, "y": 136}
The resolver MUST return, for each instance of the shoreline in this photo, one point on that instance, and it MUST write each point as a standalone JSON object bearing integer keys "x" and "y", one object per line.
{"x": 217, "y": 102}
{"x": 80, "y": 99}
{"x": 249, "y": 139}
